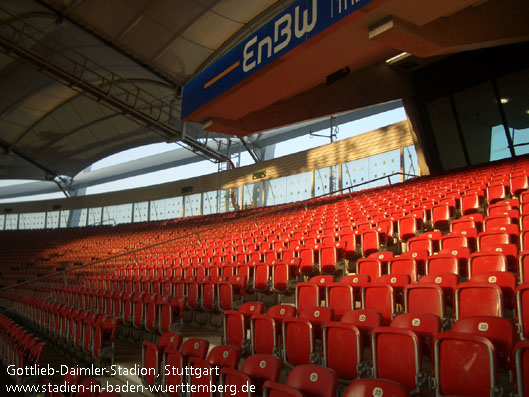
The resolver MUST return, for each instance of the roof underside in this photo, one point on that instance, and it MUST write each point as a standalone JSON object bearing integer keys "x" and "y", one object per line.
{"x": 150, "y": 45}
{"x": 132, "y": 58}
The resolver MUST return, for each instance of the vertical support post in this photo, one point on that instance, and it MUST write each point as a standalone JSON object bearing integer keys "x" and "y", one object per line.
{"x": 340, "y": 185}
{"x": 312, "y": 187}
{"x": 402, "y": 169}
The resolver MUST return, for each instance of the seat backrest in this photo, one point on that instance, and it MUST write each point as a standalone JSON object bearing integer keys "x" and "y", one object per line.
{"x": 355, "y": 279}
{"x": 224, "y": 356}
{"x": 442, "y": 263}
{"x": 482, "y": 262}
{"x": 248, "y": 309}
{"x": 342, "y": 348}
{"x": 404, "y": 266}
{"x": 500, "y": 331}
{"x": 505, "y": 280}
{"x": 234, "y": 328}
{"x": 465, "y": 364}
{"x": 381, "y": 298}
{"x": 279, "y": 312}
{"x": 264, "y": 334}
{"x": 425, "y": 325}
{"x": 396, "y": 355}
{"x": 424, "y": 298}
{"x": 473, "y": 299}
{"x": 369, "y": 266}
{"x": 307, "y": 295}
{"x": 170, "y": 339}
{"x": 234, "y": 382}
{"x": 364, "y": 320}
{"x": 316, "y": 314}
{"x": 261, "y": 368}
{"x": 298, "y": 341}
{"x": 340, "y": 297}
{"x": 313, "y": 381}
{"x": 175, "y": 360}
{"x": 195, "y": 347}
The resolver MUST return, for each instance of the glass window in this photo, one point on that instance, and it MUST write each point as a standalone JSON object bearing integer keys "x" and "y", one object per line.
{"x": 24, "y": 221}
{"x": 326, "y": 180}
{"x": 52, "y": 222}
{"x": 384, "y": 164}
{"x": 299, "y": 187}
{"x": 446, "y": 135}
{"x": 411, "y": 164}
{"x": 2, "y": 220}
{"x": 355, "y": 172}
{"x": 192, "y": 204}
{"x": 210, "y": 205}
{"x": 253, "y": 195}
{"x": 94, "y": 216}
{"x": 37, "y": 220}
{"x": 514, "y": 92}
{"x": 276, "y": 191}
{"x": 65, "y": 217}
{"x": 11, "y": 221}
{"x": 116, "y": 214}
{"x": 140, "y": 212}
{"x": 166, "y": 209}
{"x": 478, "y": 113}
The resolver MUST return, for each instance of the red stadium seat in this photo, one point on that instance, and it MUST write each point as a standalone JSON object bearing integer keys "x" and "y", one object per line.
{"x": 478, "y": 300}
{"x": 194, "y": 347}
{"x": 299, "y": 346}
{"x": 407, "y": 266}
{"x": 370, "y": 267}
{"x": 261, "y": 368}
{"x": 342, "y": 349}
{"x": 424, "y": 298}
{"x": 396, "y": 356}
{"x": 465, "y": 364}
{"x": 364, "y": 320}
{"x": 307, "y": 295}
{"x": 425, "y": 325}
{"x": 505, "y": 280}
{"x": 340, "y": 297}
{"x": 152, "y": 354}
{"x": 380, "y": 298}
{"x": 500, "y": 331}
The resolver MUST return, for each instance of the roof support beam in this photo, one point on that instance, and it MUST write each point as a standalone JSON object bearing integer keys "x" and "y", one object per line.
{"x": 80, "y": 73}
